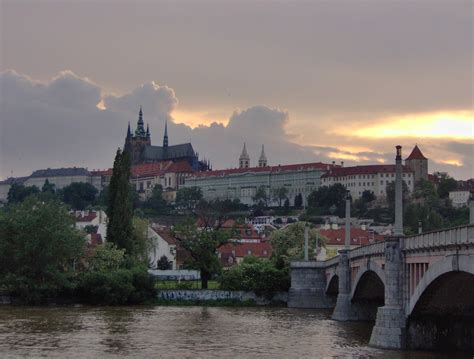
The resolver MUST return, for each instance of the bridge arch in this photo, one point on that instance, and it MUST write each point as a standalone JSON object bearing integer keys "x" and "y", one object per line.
{"x": 369, "y": 266}
{"x": 332, "y": 283}
{"x": 461, "y": 263}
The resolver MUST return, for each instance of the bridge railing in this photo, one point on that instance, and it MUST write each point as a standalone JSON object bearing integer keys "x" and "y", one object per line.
{"x": 463, "y": 235}
{"x": 376, "y": 248}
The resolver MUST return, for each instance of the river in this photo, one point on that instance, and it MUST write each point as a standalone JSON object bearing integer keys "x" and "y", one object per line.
{"x": 184, "y": 332}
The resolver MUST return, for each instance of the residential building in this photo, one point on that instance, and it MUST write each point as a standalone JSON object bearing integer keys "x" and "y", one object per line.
{"x": 335, "y": 240}
{"x": 163, "y": 244}
{"x": 460, "y": 198}
{"x": 92, "y": 218}
{"x": 60, "y": 177}
{"x": 235, "y": 252}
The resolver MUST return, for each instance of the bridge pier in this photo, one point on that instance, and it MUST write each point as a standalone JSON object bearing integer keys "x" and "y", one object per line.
{"x": 308, "y": 286}
{"x": 343, "y": 310}
{"x": 390, "y": 325}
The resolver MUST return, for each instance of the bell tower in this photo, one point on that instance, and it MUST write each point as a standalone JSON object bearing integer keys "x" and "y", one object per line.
{"x": 244, "y": 159}
{"x": 262, "y": 161}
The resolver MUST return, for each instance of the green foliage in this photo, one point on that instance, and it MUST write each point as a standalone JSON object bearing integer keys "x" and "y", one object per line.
{"x": 39, "y": 248}
{"x": 156, "y": 203}
{"x": 18, "y": 193}
{"x": 280, "y": 194}
{"x": 202, "y": 247}
{"x": 299, "y": 200}
{"x": 107, "y": 258}
{"x": 446, "y": 184}
{"x": 257, "y": 275}
{"x": 188, "y": 197}
{"x": 429, "y": 218}
{"x": 79, "y": 195}
{"x": 361, "y": 205}
{"x": 261, "y": 198}
{"x": 107, "y": 279}
{"x": 328, "y": 200}
{"x": 164, "y": 263}
{"x": 48, "y": 187}
{"x": 120, "y": 208}
{"x": 141, "y": 243}
{"x": 90, "y": 228}
{"x": 103, "y": 197}
{"x": 288, "y": 244}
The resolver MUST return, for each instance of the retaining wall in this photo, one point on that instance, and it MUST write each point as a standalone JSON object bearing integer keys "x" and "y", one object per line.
{"x": 209, "y": 294}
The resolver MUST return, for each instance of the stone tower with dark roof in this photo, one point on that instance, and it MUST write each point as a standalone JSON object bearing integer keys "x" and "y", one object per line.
{"x": 136, "y": 143}
{"x": 418, "y": 164}
{"x": 262, "y": 161}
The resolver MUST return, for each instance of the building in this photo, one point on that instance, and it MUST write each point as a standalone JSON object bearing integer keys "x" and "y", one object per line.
{"x": 235, "y": 252}
{"x": 418, "y": 164}
{"x": 335, "y": 239}
{"x": 91, "y": 218}
{"x": 163, "y": 244}
{"x": 60, "y": 177}
{"x": 5, "y": 186}
{"x": 242, "y": 183}
{"x": 460, "y": 198}
{"x": 373, "y": 178}
{"x": 138, "y": 145}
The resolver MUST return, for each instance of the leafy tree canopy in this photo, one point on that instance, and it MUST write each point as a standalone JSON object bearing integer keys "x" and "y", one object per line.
{"x": 18, "y": 192}
{"x": 188, "y": 197}
{"x": 328, "y": 200}
{"x": 79, "y": 195}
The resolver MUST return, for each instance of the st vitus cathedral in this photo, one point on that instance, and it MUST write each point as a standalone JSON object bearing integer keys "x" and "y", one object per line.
{"x": 141, "y": 150}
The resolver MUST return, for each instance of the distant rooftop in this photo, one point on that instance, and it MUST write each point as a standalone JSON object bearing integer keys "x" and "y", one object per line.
{"x": 61, "y": 172}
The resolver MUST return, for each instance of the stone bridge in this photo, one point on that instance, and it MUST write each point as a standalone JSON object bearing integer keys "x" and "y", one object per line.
{"x": 418, "y": 289}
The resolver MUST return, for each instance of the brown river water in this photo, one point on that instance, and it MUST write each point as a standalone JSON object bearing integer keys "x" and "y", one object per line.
{"x": 184, "y": 332}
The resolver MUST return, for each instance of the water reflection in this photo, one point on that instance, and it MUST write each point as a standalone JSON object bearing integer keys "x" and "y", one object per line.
{"x": 171, "y": 332}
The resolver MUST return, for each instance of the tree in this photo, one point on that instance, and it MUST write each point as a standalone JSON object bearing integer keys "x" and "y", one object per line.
{"x": 142, "y": 243}
{"x": 201, "y": 246}
{"x": 288, "y": 244}
{"x": 39, "y": 248}
{"x": 90, "y": 228}
{"x": 164, "y": 263}
{"x": 48, "y": 187}
{"x": 328, "y": 200}
{"x": 79, "y": 195}
{"x": 299, "y": 200}
{"x": 156, "y": 201}
{"x": 188, "y": 197}
{"x": 120, "y": 208}
{"x": 261, "y": 198}
{"x": 18, "y": 192}
{"x": 446, "y": 184}
{"x": 280, "y": 194}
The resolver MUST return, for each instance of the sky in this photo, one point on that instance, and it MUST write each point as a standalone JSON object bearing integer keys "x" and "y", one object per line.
{"x": 312, "y": 81}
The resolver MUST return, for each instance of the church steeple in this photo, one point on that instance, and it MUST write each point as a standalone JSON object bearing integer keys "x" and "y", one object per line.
{"x": 129, "y": 131}
{"x": 244, "y": 159}
{"x": 165, "y": 137}
{"x": 262, "y": 161}
{"x": 140, "y": 131}
{"x": 147, "y": 130}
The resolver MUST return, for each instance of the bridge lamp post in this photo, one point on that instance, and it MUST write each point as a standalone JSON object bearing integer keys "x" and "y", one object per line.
{"x": 306, "y": 235}
{"x": 347, "y": 238}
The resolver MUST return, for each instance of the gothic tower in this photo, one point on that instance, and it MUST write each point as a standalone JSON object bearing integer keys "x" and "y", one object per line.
{"x": 262, "y": 161}
{"x": 244, "y": 160}
{"x": 135, "y": 143}
{"x": 418, "y": 164}
{"x": 165, "y": 136}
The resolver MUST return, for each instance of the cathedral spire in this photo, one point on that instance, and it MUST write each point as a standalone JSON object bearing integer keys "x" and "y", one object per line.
{"x": 262, "y": 161}
{"x": 165, "y": 137}
{"x": 129, "y": 131}
{"x": 147, "y": 130}
{"x": 140, "y": 131}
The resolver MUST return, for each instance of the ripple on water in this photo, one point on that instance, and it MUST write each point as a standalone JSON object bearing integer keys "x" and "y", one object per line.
{"x": 170, "y": 332}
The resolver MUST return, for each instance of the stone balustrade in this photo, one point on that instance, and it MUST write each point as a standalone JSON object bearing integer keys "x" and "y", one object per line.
{"x": 441, "y": 238}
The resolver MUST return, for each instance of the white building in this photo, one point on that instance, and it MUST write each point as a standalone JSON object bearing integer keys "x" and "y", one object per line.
{"x": 92, "y": 218}
{"x": 243, "y": 183}
{"x": 459, "y": 198}
{"x": 373, "y": 178}
{"x": 163, "y": 244}
{"x": 60, "y": 177}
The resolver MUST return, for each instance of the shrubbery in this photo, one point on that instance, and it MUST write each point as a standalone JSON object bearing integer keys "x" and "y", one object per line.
{"x": 257, "y": 275}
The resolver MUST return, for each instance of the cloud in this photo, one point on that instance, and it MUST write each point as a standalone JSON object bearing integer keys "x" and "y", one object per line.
{"x": 57, "y": 123}
{"x": 157, "y": 101}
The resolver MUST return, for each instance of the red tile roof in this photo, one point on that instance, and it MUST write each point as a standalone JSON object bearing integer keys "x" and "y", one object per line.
{"x": 166, "y": 235}
{"x": 80, "y": 217}
{"x": 272, "y": 169}
{"x": 369, "y": 169}
{"x": 416, "y": 154}
{"x": 359, "y": 237}
{"x": 107, "y": 172}
{"x": 150, "y": 169}
{"x": 181, "y": 166}
{"x": 261, "y": 249}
